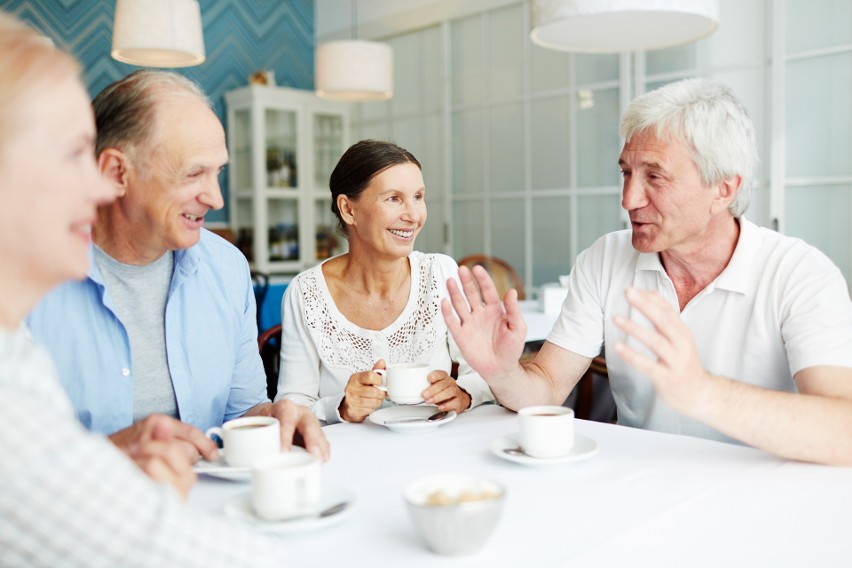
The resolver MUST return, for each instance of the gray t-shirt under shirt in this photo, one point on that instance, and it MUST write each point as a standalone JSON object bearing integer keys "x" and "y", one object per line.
{"x": 139, "y": 294}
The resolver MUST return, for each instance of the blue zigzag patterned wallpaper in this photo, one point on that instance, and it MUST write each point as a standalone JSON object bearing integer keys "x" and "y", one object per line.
{"x": 240, "y": 37}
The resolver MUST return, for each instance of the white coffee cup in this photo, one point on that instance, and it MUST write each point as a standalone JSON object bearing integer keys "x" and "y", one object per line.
{"x": 248, "y": 439}
{"x": 286, "y": 485}
{"x": 546, "y": 431}
{"x": 405, "y": 382}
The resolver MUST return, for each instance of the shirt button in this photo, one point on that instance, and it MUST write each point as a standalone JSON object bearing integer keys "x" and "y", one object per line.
{"x": 125, "y": 372}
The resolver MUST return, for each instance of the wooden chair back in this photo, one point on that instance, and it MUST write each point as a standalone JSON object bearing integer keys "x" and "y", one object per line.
{"x": 504, "y": 275}
{"x": 269, "y": 345}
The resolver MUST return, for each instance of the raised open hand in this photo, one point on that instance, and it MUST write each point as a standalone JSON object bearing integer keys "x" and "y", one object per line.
{"x": 489, "y": 333}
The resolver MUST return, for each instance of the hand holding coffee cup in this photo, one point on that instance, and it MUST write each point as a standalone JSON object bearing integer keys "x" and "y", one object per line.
{"x": 404, "y": 382}
{"x": 361, "y": 395}
{"x": 248, "y": 439}
{"x": 286, "y": 485}
{"x": 546, "y": 431}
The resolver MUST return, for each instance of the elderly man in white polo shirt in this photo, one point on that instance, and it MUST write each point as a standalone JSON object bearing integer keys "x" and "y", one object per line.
{"x": 712, "y": 326}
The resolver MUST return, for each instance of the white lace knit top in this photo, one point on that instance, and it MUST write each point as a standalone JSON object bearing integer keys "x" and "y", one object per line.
{"x": 321, "y": 349}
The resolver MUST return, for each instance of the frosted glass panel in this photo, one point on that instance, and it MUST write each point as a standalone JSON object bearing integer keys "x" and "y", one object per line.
{"x": 820, "y": 215}
{"x": 506, "y": 54}
{"x": 598, "y": 143}
{"x": 550, "y": 143}
{"x": 431, "y": 157}
{"x": 739, "y": 39}
{"x": 406, "y": 74}
{"x": 596, "y": 68}
{"x": 596, "y": 216}
{"x": 681, "y": 58}
{"x": 818, "y": 23}
{"x": 467, "y": 152}
{"x": 819, "y": 115}
{"x": 466, "y": 60}
{"x": 375, "y": 110}
{"x": 408, "y": 134}
{"x": 507, "y": 231}
{"x": 507, "y": 154}
{"x": 551, "y": 239}
{"x": 373, "y": 131}
{"x": 550, "y": 68}
{"x": 432, "y": 67}
{"x": 468, "y": 228}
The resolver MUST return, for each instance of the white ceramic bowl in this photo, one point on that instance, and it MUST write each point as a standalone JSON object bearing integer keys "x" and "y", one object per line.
{"x": 454, "y": 514}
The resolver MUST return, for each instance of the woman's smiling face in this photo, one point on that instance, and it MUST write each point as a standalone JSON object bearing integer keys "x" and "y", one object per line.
{"x": 389, "y": 214}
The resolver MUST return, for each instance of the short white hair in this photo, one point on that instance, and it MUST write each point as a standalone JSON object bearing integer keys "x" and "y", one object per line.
{"x": 707, "y": 116}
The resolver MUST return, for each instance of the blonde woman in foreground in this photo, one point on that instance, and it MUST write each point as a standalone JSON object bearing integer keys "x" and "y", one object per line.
{"x": 68, "y": 497}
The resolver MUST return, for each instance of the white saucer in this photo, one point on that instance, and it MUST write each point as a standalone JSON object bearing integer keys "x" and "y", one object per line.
{"x": 222, "y": 470}
{"x": 584, "y": 448}
{"x": 240, "y": 508}
{"x": 396, "y": 412}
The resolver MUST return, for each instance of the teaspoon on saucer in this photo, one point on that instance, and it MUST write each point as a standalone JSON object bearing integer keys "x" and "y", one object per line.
{"x": 434, "y": 418}
{"x": 327, "y": 512}
{"x": 516, "y": 451}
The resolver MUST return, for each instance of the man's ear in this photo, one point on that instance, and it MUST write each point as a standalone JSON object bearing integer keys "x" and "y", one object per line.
{"x": 726, "y": 192}
{"x": 344, "y": 205}
{"x": 113, "y": 165}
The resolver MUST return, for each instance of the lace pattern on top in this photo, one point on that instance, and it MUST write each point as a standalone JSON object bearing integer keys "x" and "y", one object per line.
{"x": 410, "y": 339}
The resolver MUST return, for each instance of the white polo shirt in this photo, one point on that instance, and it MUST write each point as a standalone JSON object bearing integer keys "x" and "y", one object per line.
{"x": 780, "y": 306}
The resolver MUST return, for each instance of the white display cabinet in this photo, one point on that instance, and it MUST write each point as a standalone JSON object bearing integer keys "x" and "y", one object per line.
{"x": 284, "y": 144}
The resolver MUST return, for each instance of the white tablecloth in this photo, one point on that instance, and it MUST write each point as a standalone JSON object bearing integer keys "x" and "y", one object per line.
{"x": 646, "y": 499}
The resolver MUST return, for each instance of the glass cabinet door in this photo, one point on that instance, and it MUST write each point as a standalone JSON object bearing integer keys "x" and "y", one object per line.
{"x": 242, "y": 150}
{"x": 328, "y": 147}
{"x": 329, "y": 241}
{"x": 282, "y": 159}
{"x": 283, "y": 229}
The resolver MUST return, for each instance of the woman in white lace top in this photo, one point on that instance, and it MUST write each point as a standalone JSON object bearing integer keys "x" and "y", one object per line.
{"x": 378, "y": 304}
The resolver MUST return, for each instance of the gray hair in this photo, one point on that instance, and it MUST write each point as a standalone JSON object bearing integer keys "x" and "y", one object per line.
{"x": 125, "y": 110}
{"x": 711, "y": 120}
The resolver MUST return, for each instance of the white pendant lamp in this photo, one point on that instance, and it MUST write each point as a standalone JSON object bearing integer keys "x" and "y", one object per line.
{"x": 354, "y": 70}
{"x": 158, "y": 33}
{"x": 609, "y": 26}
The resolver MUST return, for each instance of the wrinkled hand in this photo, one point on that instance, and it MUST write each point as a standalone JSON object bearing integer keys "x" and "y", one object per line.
{"x": 298, "y": 426}
{"x": 446, "y": 393}
{"x": 361, "y": 397}
{"x": 677, "y": 373}
{"x": 191, "y": 440}
{"x": 162, "y": 456}
{"x": 491, "y": 339}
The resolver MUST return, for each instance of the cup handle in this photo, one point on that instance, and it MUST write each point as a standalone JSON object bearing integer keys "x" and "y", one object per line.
{"x": 384, "y": 385}
{"x": 214, "y": 431}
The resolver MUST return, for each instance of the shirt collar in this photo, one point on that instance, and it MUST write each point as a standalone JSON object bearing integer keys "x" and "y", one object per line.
{"x": 740, "y": 270}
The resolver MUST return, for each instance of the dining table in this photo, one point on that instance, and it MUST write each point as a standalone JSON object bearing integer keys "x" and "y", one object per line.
{"x": 641, "y": 498}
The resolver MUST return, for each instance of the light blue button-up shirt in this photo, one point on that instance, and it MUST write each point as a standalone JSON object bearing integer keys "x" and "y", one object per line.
{"x": 211, "y": 341}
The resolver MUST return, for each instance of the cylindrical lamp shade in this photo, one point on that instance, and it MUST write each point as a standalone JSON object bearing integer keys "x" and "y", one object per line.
{"x": 610, "y": 26}
{"x": 158, "y": 33}
{"x": 354, "y": 70}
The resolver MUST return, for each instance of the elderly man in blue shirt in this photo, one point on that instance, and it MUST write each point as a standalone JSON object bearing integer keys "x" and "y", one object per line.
{"x": 164, "y": 324}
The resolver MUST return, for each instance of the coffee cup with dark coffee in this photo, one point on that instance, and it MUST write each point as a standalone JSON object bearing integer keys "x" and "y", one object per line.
{"x": 248, "y": 439}
{"x": 546, "y": 431}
